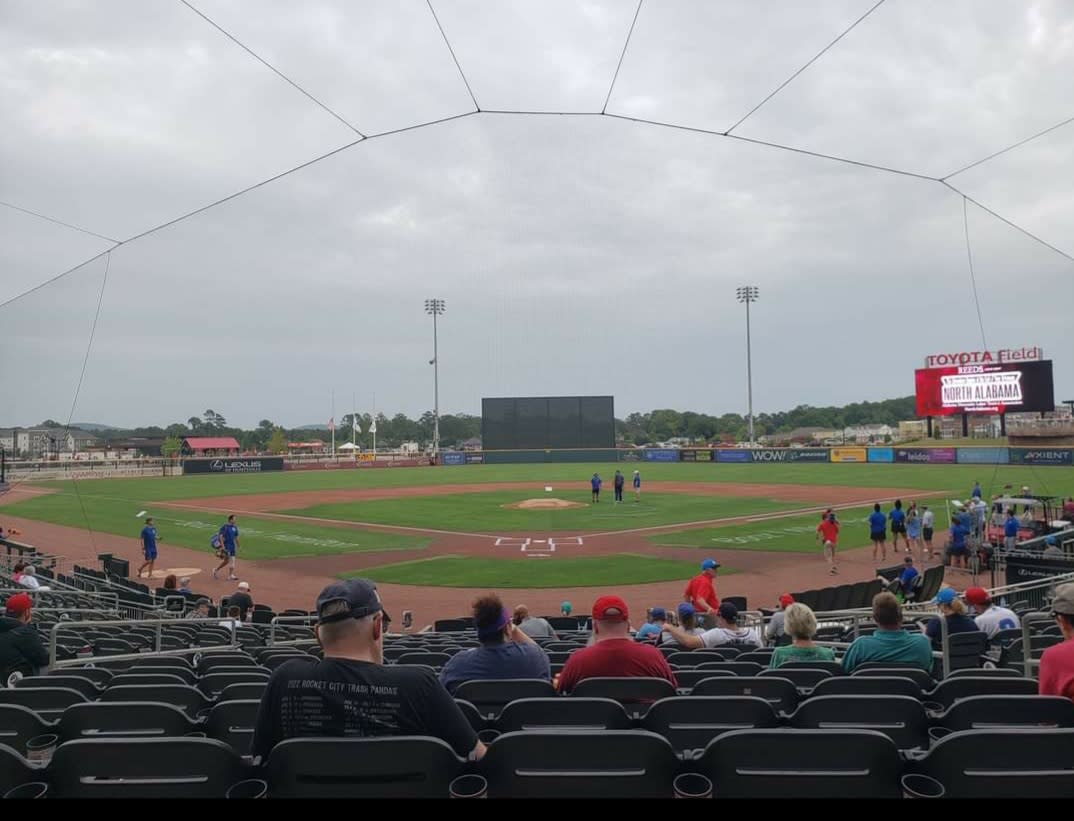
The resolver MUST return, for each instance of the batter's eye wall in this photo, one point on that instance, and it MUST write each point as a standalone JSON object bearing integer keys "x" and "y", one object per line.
{"x": 543, "y": 422}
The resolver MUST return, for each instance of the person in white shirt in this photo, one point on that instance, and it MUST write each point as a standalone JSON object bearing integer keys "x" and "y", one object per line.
{"x": 991, "y": 618}
{"x": 726, "y": 633}
{"x": 29, "y": 578}
{"x": 232, "y": 620}
{"x": 927, "y": 519}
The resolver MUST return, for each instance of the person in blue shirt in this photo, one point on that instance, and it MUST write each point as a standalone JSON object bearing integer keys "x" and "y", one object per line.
{"x": 505, "y": 652}
{"x": 907, "y": 578}
{"x": 877, "y": 524}
{"x": 898, "y": 526}
{"x": 1010, "y": 530}
{"x": 229, "y": 537}
{"x": 651, "y": 630}
{"x": 149, "y": 548}
{"x": 637, "y": 486}
{"x": 976, "y": 492}
{"x": 958, "y": 549}
{"x": 595, "y": 484}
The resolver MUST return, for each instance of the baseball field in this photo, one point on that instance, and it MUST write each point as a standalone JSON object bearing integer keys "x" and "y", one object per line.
{"x": 513, "y": 526}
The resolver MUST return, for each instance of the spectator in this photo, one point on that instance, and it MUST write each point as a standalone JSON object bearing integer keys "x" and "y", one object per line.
{"x": 991, "y": 618}
{"x": 727, "y": 633}
{"x": 201, "y": 609}
{"x": 1010, "y": 530}
{"x": 21, "y": 648}
{"x": 242, "y": 599}
{"x": 232, "y": 620}
{"x": 801, "y": 626}
{"x": 505, "y": 652}
{"x": 701, "y": 590}
{"x": 1057, "y": 663}
{"x": 170, "y": 582}
{"x": 17, "y": 571}
{"x": 927, "y": 520}
{"x": 958, "y": 549}
{"x": 565, "y": 608}
{"x": 184, "y": 585}
{"x": 687, "y": 621}
{"x": 890, "y": 642}
{"x": 651, "y": 631}
{"x": 29, "y": 578}
{"x": 351, "y": 693}
{"x": 775, "y": 625}
{"x": 1053, "y": 550}
{"x": 613, "y": 652}
{"x": 954, "y": 612}
{"x": 533, "y": 626}
{"x": 907, "y": 578}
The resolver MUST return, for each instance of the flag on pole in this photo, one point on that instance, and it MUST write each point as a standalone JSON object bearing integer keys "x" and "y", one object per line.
{"x": 332, "y": 424}
{"x": 354, "y": 424}
{"x": 373, "y": 425}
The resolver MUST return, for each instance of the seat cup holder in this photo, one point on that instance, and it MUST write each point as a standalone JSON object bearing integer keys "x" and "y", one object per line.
{"x": 248, "y": 788}
{"x": 469, "y": 786}
{"x": 32, "y": 789}
{"x": 692, "y": 785}
{"x": 936, "y": 733}
{"x": 39, "y": 749}
{"x": 916, "y": 785}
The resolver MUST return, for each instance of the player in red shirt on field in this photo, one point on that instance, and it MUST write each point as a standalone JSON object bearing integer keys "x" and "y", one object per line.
{"x": 613, "y": 653}
{"x": 828, "y": 534}
{"x": 701, "y": 591}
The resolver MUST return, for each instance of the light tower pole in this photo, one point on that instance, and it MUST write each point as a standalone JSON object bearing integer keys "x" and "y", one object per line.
{"x": 748, "y": 294}
{"x": 435, "y": 307}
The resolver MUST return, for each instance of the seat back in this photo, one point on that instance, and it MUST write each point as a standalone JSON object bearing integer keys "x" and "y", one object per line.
{"x": 987, "y": 672}
{"x": 739, "y": 668}
{"x": 579, "y": 764}
{"x": 867, "y": 686}
{"x": 148, "y": 679}
{"x": 186, "y": 698}
{"x": 922, "y": 679}
{"x": 432, "y": 659}
{"x": 103, "y": 719}
{"x": 233, "y": 723}
{"x": 246, "y": 690}
{"x": 212, "y": 684}
{"x": 992, "y": 712}
{"x": 803, "y": 676}
{"x": 791, "y": 763}
{"x": 688, "y": 679}
{"x": 165, "y": 661}
{"x": 689, "y": 723}
{"x": 85, "y": 686}
{"x": 779, "y": 692}
{"x": 490, "y": 696}
{"x": 14, "y": 770}
{"x": 950, "y": 690}
{"x": 1038, "y": 763}
{"x": 47, "y": 702}
{"x": 563, "y": 713}
{"x": 634, "y": 693}
{"x": 98, "y": 675}
{"x": 900, "y": 718}
{"x": 18, "y": 724}
{"x": 965, "y": 649}
{"x": 388, "y": 767}
{"x": 144, "y": 768}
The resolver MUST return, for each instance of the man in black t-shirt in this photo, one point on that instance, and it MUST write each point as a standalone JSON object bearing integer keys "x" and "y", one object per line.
{"x": 351, "y": 693}
{"x": 241, "y": 599}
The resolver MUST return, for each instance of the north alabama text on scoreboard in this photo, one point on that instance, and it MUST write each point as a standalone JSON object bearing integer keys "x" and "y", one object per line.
{"x": 995, "y": 388}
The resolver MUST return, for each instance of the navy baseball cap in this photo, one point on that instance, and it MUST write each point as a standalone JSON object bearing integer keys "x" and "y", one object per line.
{"x": 360, "y": 595}
{"x": 686, "y": 610}
{"x": 728, "y": 612}
{"x": 709, "y": 564}
{"x": 658, "y": 613}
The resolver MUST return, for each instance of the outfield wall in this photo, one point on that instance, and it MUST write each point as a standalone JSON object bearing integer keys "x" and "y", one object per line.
{"x": 837, "y": 455}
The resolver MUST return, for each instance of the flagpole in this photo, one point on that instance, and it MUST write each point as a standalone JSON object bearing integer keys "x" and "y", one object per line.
{"x": 332, "y": 422}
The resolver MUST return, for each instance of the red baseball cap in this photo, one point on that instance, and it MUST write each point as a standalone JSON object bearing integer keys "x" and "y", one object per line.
{"x": 786, "y": 600}
{"x": 18, "y": 604}
{"x": 610, "y": 608}
{"x": 976, "y": 595}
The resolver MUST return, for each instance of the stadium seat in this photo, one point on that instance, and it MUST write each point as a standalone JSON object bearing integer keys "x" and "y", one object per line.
{"x": 85, "y": 686}
{"x": 245, "y": 690}
{"x": 993, "y": 712}
{"x": 762, "y": 656}
{"x": 47, "y": 702}
{"x": 18, "y": 725}
{"x": 453, "y": 625}
{"x": 579, "y": 764}
{"x": 804, "y": 677}
{"x": 635, "y": 694}
{"x": 915, "y": 674}
{"x": 966, "y": 650}
{"x": 900, "y": 718}
{"x": 833, "y": 667}
{"x": 186, "y": 698}
{"x": 950, "y": 690}
{"x": 213, "y": 683}
{"x": 779, "y": 692}
{"x": 15, "y": 770}
{"x": 473, "y": 715}
{"x": 563, "y": 713}
{"x": 490, "y": 696}
{"x": 102, "y": 719}
{"x": 987, "y": 672}
{"x": 688, "y": 679}
{"x": 152, "y": 679}
{"x": 739, "y": 668}
{"x": 689, "y": 723}
{"x": 165, "y": 661}
{"x": 1037, "y": 763}
{"x": 867, "y": 686}
{"x": 738, "y": 601}
{"x": 98, "y": 675}
{"x": 789, "y": 763}
{"x": 233, "y": 723}
{"x": 185, "y": 674}
{"x": 389, "y": 767}
{"x": 144, "y": 768}
{"x": 431, "y": 659}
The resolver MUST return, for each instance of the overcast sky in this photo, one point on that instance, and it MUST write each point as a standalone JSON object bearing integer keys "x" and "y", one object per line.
{"x": 579, "y": 254}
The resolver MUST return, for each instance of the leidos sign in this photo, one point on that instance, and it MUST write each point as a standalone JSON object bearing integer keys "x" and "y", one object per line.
{"x": 946, "y": 360}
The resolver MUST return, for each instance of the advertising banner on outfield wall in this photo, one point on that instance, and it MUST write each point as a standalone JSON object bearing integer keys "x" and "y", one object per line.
{"x": 982, "y": 456}
{"x": 1041, "y": 456}
{"x": 926, "y": 456}
{"x": 475, "y": 458}
{"x": 452, "y": 458}
{"x": 789, "y": 455}
{"x": 850, "y": 455}
{"x": 728, "y": 455}
{"x": 259, "y": 464}
{"x": 697, "y": 455}
{"x": 661, "y": 455}
{"x": 881, "y": 454}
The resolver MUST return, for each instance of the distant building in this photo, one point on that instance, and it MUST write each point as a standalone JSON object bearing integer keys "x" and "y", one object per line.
{"x": 911, "y": 429}
{"x": 473, "y": 443}
{"x": 312, "y": 446}
{"x": 79, "y": 440}
{"x": 35, "y": 443}
{"x": 210, "y": 446}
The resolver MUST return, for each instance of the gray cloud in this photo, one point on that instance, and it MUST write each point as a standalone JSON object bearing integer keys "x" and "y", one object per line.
{"x": 577, "y": 254}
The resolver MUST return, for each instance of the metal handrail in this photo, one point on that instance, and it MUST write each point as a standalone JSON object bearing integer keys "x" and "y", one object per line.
{"x": 159, "y": 624}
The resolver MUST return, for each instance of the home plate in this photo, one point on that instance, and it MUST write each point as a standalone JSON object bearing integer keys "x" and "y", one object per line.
{"x": 538, "y": 541}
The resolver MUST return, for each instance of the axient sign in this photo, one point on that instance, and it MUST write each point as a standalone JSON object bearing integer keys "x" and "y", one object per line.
{"x": 943, "y": 360}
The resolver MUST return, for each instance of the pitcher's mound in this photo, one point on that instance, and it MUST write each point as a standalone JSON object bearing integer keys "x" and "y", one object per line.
{"x": 542, "y": 504}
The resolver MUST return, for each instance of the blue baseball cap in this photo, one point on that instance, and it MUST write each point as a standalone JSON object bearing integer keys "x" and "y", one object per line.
{"x": 658, "y": 613}
{"x": 946, "y": 596}
{"x": 709, "y": 564}
{"x": 686, "y": 610}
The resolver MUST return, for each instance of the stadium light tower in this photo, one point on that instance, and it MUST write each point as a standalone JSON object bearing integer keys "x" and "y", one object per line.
{"x": 748, "y": 294}
{"x": 435, "y": 307}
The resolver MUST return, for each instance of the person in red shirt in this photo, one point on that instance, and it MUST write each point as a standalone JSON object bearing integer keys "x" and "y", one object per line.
{"x": 613, "y": 653}
{"x": 701, "y": 592}
{"x": 828, "y": 534}
{"x": 1057, "y": 663}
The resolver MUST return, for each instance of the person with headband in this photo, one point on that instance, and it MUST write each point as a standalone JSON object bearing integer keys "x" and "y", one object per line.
{"x": 505, "y": 651}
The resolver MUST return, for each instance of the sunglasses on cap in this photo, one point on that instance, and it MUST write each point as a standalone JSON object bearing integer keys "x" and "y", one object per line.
{"x": 353, "y": 613}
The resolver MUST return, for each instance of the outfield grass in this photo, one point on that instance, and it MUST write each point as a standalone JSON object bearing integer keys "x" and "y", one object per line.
{"x": 259, "y": 538}
{"x": 484, "y": 512}
{"x": 788, "y": 534}
{"x": 563, "y": 571}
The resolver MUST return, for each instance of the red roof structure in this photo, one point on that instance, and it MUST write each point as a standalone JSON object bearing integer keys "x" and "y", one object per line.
{"x": 203, "y": 443}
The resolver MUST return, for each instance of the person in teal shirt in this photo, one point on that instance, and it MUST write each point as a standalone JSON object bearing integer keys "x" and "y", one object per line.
{"x": 651, "y": 630}
{"x": 890, "y": 642}
{"x": 800, "y": 624}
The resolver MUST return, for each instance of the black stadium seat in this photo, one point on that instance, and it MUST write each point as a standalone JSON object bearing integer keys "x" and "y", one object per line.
{"x": 803, "y": 677}
{"x": 245, "y": 690}
{"x": 952, "y": 689}
{"x": 779, "y": 692}
{"x": 14, "y": 770}
{"x": 18, "y": 725}
{"x": 149, "y": 679}
{"x": 186, "y": 698}
{"x": 233, "y": 723}
{"x": 689, "y": 723}
{"x": 48, "y": 702}
{"x": 390, "y": 767}
{"x": 563, "y": 713}
{"x": 867, "y": 686}
{"x": 688, "y": 679}
{"x": 83, "y": 685}
{"x": 993, "y": 712}
{"x": 635, "y": 694}
{"x": 900, "y": 718}
{"x": 489, "y": 696}
{"x": 103, "y": 719}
